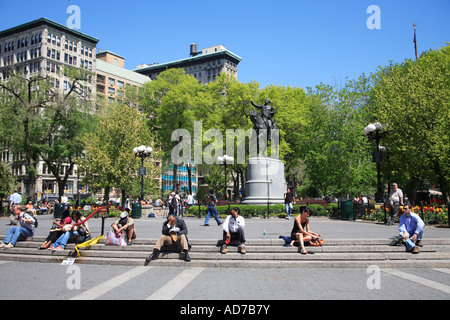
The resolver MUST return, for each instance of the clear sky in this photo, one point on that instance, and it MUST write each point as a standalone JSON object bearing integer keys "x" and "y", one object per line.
{"x": 296, "y": 43}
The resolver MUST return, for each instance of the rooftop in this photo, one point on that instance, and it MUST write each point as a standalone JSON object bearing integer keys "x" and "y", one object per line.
{"x": 46, "y": 22}
{"x": 121, "y": 72}
{"x": 190, "y": 60}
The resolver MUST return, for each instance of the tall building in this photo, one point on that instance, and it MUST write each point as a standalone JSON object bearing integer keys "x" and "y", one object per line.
{"x": 45, "y": 47}
{"x": 113, "y": 80}
{"x": 205, "y": 66}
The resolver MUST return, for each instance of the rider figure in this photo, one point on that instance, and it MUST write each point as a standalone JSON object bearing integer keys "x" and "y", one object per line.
{"x": 267, "y": 112}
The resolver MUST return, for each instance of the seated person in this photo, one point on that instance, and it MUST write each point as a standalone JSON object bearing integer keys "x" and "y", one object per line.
{"x": 302, "y": 233}
{"x": 410, "y": 228}
{"x": 159, "y": 203}
{"x": 25, "y": 230}
{"x": 174, "y": 232}
{"x": 56, "y": 230}
{"x": 125, "y": 223}
{"x": 233, "y": 230}
{"x": 79, "y": 231}
{"x": 30, "y": 208}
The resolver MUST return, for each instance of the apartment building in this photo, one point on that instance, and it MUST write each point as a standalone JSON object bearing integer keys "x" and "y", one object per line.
{"x": 113, "y": 80}
{"x": 205, "y": 66}
{"x": 44, "y": 47}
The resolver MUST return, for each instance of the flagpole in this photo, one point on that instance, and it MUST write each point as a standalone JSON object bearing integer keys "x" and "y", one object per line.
{"x": 415, "y": 39}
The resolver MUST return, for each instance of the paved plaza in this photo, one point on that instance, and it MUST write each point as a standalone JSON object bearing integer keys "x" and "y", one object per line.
{"x": 188, "y": 284}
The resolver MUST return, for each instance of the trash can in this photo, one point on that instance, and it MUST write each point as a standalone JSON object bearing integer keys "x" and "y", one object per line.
{"x": 346, "y": 210}
{"x": 136, "y": 210}
{"x": 57, "y": 209}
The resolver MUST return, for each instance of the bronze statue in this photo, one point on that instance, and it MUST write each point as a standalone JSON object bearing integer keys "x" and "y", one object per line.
{"x": 265, "y": 120}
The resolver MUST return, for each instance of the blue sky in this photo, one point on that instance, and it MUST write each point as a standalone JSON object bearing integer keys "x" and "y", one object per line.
{"x": 282, "y": 42}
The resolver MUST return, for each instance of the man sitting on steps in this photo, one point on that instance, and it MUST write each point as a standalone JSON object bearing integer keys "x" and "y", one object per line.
{"x": 233, "y": 230}
{"x": 410, "y": 229}
{"x": 174, "y": 232}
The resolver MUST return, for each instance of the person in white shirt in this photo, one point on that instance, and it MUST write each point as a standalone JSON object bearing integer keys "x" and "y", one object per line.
{"x": 395, "y": 200}
{"x": 233, "y": 230}
{"x": 25, "y": 230}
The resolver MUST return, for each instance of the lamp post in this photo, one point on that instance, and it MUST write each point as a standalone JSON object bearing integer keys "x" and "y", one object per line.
{"x": 142, "y": 152}
{"x": 375, "y": 131}
{"x": 225, "y": 160}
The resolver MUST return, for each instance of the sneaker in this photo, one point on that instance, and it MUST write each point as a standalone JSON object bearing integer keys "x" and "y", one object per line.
{"x": 59, "y": 248}
{"x": 2, "y": 245}
{"x": 242, "y": 251}
{"x": 9, "y": 245}
{"x": 224, "y": 249}
{"x": 415, "y": 250}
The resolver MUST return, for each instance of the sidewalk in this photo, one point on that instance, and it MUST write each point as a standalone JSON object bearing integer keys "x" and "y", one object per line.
{"x": 150, "y": 228}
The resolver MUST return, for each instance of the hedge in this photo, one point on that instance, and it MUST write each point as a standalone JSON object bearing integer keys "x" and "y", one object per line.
{"x": 275, "y": 210}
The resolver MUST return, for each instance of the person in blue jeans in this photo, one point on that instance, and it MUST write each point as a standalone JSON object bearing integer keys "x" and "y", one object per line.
{"x": 212, "y": 209}
{"x": 288, "y": 198}
{"x": 410, "y": 229}
{"x": 82, "y": 232}
{"x": 25, "y": 230}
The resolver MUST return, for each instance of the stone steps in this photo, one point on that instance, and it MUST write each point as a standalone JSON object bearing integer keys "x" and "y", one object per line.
{"x": 261, "y": 253}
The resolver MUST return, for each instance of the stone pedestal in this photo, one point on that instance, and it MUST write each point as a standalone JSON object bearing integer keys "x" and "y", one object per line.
{"x": 265, "y": 181}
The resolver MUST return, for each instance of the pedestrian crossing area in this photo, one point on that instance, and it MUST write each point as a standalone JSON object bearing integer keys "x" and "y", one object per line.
{"x": 202, "y": 283}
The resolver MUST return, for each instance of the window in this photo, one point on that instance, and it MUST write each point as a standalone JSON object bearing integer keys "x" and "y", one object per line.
{"x": 111, "y": 90}
{"x": 111, "y": 81}
{"x": 66, "y": 44}
{"x": 120, "y": 84}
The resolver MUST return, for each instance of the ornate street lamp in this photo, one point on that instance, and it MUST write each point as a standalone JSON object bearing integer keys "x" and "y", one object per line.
{"x": 376, "y": 131}
{"x": 142, "y": 152}
{"x": 225, "y": 160}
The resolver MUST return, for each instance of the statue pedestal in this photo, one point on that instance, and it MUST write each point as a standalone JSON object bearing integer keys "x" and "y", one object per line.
{"x": 265, "y": 181}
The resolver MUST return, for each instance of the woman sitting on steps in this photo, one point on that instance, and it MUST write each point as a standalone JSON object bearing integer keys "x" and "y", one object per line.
{"x": 302, "y": 233}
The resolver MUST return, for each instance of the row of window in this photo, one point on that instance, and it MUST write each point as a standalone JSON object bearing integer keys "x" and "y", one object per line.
{"x": 69, "y": 45}
{"x": 21, "y": 43}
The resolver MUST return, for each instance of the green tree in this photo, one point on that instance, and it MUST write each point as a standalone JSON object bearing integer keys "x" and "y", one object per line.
{"x": 109, "y": 160}
{"x": 169, "y": 104}
{"x": 413, "y": 99}
{"x": 336, "y": 158}
{"x": 38, "y": 114}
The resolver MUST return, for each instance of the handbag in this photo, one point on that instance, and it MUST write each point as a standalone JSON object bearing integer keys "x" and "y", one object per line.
{"x": 113, "y": 240}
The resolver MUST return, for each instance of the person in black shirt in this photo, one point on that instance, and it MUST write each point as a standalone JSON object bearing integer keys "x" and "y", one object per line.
{"x": 288, "y": 199}
{"x": 301, "y": 232}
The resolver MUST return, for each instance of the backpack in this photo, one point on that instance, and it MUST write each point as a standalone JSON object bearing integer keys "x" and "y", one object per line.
{"x": 173, "y": 202}
{"x": 36, "y": 223}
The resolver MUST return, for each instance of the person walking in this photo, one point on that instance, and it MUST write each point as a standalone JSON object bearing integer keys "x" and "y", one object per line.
{"x": 14, "y": 200}
{"x": 212, "y": 200}
{"x": 288, "y": 198}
